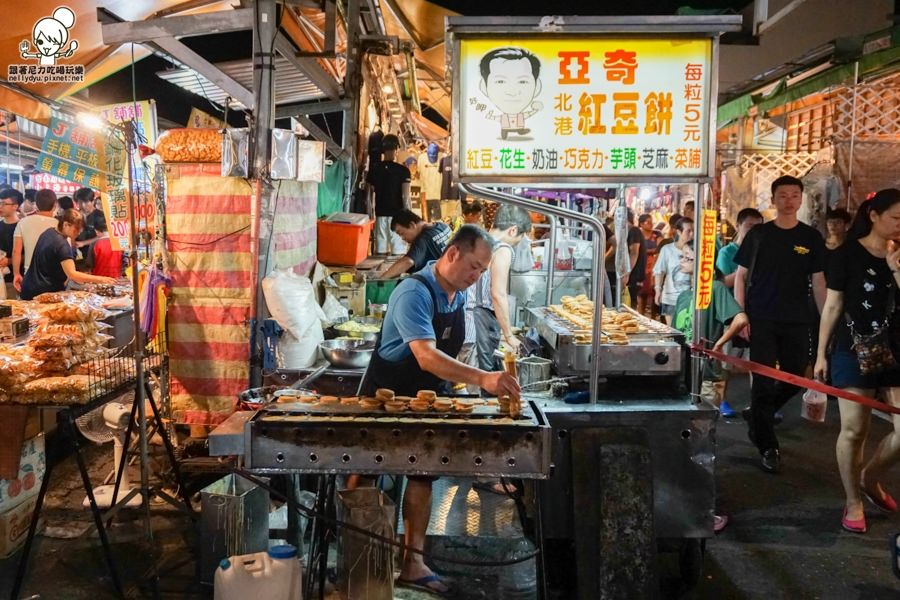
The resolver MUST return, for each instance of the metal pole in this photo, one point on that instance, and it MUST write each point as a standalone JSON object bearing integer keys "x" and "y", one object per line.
{"x": 597, "y": 271}
{"x": 351, "y": 90}
{"x": 139, "y": 395}
{"x": 264, "y": 30}
{"x": 550, "y": 257}
{"x": 620, "y": 195}
{"x": 852, "y": 131}
{"x": 696, "y": 359}
{"x": 8, "y": 157}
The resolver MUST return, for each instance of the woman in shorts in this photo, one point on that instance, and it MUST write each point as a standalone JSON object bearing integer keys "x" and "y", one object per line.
{"x": 863, "y": 283}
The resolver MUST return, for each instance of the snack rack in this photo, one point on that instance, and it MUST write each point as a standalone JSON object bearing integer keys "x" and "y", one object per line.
{"x": 110, "y": 376}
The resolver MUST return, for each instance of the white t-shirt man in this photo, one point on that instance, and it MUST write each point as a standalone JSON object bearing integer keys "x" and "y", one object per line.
{"x": 30, "y": 229}
{"x": 430, "y": 177}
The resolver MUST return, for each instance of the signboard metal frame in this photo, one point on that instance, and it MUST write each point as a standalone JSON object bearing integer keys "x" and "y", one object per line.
{"x": 461, "y": 28}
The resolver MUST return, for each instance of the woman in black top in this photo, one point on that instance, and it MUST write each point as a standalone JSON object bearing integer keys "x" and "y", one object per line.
{"x": 863, "y": 282}
{"x": 53, "y": 261}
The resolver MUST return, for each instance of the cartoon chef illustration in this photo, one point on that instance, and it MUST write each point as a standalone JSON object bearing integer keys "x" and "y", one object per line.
{"x": 50, "y": 35}
{"x": 510, "y": 78}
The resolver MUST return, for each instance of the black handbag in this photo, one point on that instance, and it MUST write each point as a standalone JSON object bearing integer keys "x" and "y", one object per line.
{"x": 875, "y": 351}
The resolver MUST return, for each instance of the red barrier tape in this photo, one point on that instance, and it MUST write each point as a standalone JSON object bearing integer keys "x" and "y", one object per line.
{"x": 797, "y": 380}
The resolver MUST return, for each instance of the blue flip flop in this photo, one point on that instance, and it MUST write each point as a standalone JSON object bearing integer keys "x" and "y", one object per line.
{"x": 421, "y": 584}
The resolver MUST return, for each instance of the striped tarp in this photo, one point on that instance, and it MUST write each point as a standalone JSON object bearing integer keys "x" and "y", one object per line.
{"x": 211, "y": 251}
{"x": 295, "y": 226}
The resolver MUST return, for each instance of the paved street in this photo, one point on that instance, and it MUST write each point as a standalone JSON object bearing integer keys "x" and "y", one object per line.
{"x": 784, "y": 539}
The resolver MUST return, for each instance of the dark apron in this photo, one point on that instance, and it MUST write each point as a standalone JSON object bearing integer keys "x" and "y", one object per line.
{"x": 406, "y": 377}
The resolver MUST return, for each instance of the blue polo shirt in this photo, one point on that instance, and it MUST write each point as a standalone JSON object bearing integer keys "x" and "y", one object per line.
{"x": 410, "y": 312}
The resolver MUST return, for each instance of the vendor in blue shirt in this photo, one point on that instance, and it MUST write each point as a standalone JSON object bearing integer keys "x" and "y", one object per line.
{"x": 53, "y": 259}
{"x": 423, "y": 331}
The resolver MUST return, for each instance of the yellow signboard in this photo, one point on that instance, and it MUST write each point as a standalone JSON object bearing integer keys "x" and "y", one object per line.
{"x": 587, "y": 106}
{"x": 706, "y": 259}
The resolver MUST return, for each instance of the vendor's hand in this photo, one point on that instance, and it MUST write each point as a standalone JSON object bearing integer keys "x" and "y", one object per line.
{"x": 17, "y": 282}
{"x": 513, "y": 343}
{"x": 501, "y": 383}
{"x": 623, "y": 279}
{"x": 658, "y": 298}
{"x": 4, "y": 262}
{"x": 820, "y": 371}
{"x": 105, "y": 280}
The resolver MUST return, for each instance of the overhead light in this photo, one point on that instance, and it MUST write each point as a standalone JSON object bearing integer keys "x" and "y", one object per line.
{"x": 646, "y": 193}
{"x": 11, "y": 167}
{"x": 387, "y": 88}
{"x": 90, "y": 120}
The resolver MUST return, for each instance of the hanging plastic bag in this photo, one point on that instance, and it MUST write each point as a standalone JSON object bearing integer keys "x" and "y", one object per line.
{"x": 523, "y": 257}
{"x": 814, "y": 406}
{"x": 565, "y": 254}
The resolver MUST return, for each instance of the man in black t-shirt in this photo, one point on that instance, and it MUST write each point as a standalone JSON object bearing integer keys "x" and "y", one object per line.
{"x": 391, "y": 183}
{"x": 778, "y": 262}
{"x": 427, "y": 241}
{"x": 10, "y": 201}
{"x": 88, "y": 208}
{"x": 637, "y": 256}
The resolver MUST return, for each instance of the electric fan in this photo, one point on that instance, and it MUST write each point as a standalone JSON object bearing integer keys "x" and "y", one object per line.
{"x": 101, "y": 425}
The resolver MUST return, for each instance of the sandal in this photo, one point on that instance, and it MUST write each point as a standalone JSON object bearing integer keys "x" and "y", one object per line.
{"x": 421, "y": 584}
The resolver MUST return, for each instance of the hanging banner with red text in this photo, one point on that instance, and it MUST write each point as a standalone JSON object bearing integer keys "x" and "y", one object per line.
{"x": 600, "y": 107}
{"x": 706, "y": 259}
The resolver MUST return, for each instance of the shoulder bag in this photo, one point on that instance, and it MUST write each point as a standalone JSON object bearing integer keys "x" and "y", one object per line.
{"x": 873, "y": 350}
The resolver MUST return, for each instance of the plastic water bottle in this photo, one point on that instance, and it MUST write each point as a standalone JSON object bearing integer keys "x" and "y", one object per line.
{"x": 519, "y": 581}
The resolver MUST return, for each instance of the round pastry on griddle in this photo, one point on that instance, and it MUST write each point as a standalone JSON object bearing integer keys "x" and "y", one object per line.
{"x": 394, "y": 407}
{"x": 370, "y": 403}
{"x": 419, "y": 406}
{"x": 384, "y": 394}
{"x": 442, "y": 404}
{"x": 426, "y": 395}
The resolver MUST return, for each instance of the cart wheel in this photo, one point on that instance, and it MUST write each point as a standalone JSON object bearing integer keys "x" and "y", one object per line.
{"x": 690, "y": 562}
{"x": 504, "y": 133}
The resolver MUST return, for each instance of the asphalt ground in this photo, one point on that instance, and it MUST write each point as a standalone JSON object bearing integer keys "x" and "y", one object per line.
{"x": 783, "y": 539}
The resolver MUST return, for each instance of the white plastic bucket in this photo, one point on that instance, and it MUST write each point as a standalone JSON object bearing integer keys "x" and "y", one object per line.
{"x": 273, "y": 575}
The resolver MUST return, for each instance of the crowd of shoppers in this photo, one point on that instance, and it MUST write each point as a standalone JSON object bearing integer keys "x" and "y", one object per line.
{"x": 43, "y": 237}
{"x": 808, "y": 304}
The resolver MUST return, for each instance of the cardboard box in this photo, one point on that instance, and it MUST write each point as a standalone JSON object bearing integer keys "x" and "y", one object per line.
{"x": 32, "y": 466}
{"x": 14, "y": 527}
